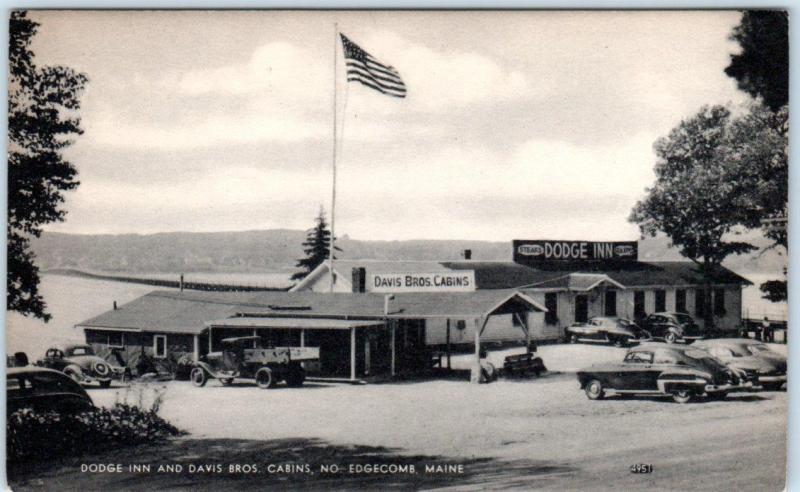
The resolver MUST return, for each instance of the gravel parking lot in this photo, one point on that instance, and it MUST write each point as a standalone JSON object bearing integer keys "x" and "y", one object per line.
{"x": 736, "y": 444}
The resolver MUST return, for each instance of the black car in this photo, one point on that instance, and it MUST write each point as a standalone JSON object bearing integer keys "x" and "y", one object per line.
{"x": 44, "y": 389}
{"x": 659, "y": 369}
{"x": 608, "y": 329}
{"x": 672, "y": 327}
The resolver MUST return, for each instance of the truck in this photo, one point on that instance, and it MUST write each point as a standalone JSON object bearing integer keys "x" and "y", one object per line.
{"x": 248, "y": 358}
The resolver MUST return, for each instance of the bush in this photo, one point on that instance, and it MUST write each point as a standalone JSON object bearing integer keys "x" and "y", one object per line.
{"x": 43, "y": 435}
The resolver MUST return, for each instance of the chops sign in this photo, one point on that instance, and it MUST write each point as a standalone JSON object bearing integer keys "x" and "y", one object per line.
{"x": 456, "y": 281}
{"x": 531, "y": 252}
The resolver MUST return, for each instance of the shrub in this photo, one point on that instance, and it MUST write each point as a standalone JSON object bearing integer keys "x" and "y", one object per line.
{"x": 43, "y": 435}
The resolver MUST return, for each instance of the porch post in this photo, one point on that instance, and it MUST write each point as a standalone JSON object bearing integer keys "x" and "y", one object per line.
{"x": 391, "y": 324}
{"x": 448, "y": 344}
{"x": 353, "y": 353}
{"x": 475, "y": 376}
{"x": 303, "y": 338}
{"x": 209, "y": 340}
{"x": 527, "y": 333}
{"x": 196, "y": 351}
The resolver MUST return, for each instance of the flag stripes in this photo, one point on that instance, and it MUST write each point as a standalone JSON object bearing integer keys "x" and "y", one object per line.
{"x": 367, "y": 70}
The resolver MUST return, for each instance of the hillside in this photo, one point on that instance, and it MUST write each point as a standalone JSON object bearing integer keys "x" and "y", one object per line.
{"x": 277, "y": 251}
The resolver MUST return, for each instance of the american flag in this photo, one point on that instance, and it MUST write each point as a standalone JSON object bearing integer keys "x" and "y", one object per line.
{"x": 365, "y": 68}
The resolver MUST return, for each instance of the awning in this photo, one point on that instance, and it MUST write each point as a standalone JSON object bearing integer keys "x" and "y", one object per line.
{"x": 292, "y": 323}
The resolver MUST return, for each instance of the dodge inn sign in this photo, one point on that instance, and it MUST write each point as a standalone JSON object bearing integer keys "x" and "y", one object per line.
{"x": 537, "y": 251}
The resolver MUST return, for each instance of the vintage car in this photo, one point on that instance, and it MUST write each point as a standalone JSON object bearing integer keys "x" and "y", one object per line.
{"x": 245, "y": 357}
{"x": 43, "y": 390}
{"x": 617, "y": 331}
{"x": 672, "y": 327}
{"x": 80, "y": 363}
{"x": 659, "y": 369}
{"x": 748, "y": 355}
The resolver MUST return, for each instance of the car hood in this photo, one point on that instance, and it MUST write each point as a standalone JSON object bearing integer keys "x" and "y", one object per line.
{"x": 761, "y": 364}
{"x": 86, "y": 361}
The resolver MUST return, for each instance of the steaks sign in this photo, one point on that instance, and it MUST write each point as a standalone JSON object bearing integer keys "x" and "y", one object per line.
{"x": 538, "y": 251}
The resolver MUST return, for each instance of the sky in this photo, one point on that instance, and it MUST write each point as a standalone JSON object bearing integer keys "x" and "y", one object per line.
{"x": 516, "y": 125}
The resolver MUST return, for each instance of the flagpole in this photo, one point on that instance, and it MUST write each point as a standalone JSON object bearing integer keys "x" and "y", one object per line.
{"x": 333, "y": 192}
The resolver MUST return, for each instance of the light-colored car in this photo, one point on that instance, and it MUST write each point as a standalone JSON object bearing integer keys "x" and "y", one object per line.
{"x": 80, "y": 363}
{"x": 617, "y": 331}
{"x": 752, "y": 356}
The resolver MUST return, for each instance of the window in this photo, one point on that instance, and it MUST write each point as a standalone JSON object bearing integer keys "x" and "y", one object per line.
{"x": 551, "y": 303}
{"x": 160, "y": 346}
{"x": 719, "y": 302}
{"x": 699, "y": 303}
{"x": 680, "y": 300}
{"x": 611, "y": 303}
{"x": 639, "y": 358}
{"x": 638, "y": 304}
{"x": 661, "y": 301}
{"x": 115, "y": 339}
{"x": 461, "y": 324}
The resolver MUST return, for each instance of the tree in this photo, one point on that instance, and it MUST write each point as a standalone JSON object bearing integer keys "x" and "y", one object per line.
{"x": 317, "y": 247}
{"x": 691, "y": 200}
{"x": 42, "y": 117}
{"x": 762, "y": 70}
{"x": 762, "y": 67}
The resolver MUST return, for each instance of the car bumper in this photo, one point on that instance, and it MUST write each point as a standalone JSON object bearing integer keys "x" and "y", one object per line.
{"x": 772, "y": 379}
{"x": 713, "y": 388}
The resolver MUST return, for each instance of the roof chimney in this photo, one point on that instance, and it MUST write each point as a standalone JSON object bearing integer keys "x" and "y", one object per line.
{"x": 467, "y": 254}
{"x": 115, "y": 305}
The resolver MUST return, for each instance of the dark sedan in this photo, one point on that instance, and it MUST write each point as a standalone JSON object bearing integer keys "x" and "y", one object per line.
{"x": 44, "y": 390}
{"x": 752, "y": 356}
{"x": 617, "y": 331}
{"x": 672, "y": 327}
{"x": 658, "y": 369}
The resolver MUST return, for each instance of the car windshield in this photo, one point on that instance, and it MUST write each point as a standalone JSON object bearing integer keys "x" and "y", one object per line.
{"x": 683, "y": 318}
{"x": 81, "y": 351}
{"x": 756, "y": 349}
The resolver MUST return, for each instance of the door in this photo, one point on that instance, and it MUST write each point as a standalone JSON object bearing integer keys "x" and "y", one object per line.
{"x": 581, "y": 309}
{"x": 637, "y": 372}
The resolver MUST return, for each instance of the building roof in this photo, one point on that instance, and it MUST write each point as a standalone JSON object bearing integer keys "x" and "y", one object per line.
{"x": 188, "y": 311}
{"x": 291, "y": 323}
{"x": 509, "y": 275}
{"x": 580, "y": 282}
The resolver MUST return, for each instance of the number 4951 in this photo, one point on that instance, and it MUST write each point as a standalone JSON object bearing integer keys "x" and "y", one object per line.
{"x": 642, "y": 468}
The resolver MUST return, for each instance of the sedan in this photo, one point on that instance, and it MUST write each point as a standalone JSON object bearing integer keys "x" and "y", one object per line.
{"x": 44, "y": 390}
{"x": 658, "y": 369}
{"x": 752, "y": 356}
{"x": 672, "y": 327}
{"x": 80, "y": 363}
{"x": 617, "y": 331}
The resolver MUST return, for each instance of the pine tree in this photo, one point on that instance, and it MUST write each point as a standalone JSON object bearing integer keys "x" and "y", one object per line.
{"x": 317, "y": 247}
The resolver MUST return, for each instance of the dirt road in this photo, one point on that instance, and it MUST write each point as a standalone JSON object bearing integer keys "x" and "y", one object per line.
{"x": 542, "y": 433}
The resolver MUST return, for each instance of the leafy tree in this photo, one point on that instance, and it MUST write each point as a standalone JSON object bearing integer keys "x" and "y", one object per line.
{"x": 762, "y": 70}
{"x": 762, "y": 67}
{"x": 691, "y": 200}
{"x": 42, "y": 116}
{"x": 317, "y": 247}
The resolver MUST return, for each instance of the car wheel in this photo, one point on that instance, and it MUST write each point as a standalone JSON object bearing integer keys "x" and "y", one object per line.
{"x": 618, "y": 341}
{"x": 198, "y": 377}
{"x": 105, "y": 384}
{"x": 670, "y": 337}
{"x": 265, "y": 378}
{"x": 594, "y": 390}
{"x": 573, "y": 338}
{"x": 226, "y": 381}
{"x": 682, "y": 396}
{"x": 295, "y": 377}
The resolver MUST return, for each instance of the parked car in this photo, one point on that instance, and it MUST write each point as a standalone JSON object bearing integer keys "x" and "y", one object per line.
{"x": 752, "y": 356}
{"x": 244, "y": 357}
{"x": 80, "y": 363}
{"x": 658, "y": 369}
{"x": 44, "y": 389}
{"x": 672, "y": 327}
{"x": 617, "y": 331}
